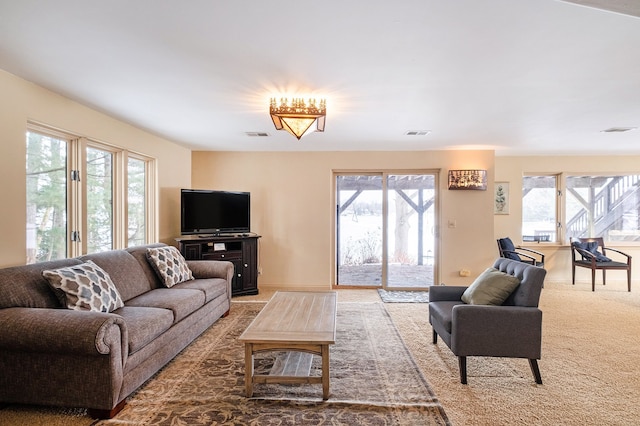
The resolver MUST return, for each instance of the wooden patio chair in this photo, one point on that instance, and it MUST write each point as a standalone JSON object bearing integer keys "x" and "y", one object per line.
{"x": 585, "y": 253}
{"x": 508, "y": 250}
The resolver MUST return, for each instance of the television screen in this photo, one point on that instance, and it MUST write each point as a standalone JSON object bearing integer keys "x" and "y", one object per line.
{"x": 214, "y": 212}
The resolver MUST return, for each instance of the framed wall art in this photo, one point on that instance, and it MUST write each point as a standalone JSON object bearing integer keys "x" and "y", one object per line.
{"x": 501, "y": 198}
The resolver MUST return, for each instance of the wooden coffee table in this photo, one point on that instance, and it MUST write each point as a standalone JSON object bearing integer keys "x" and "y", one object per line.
{"x": 292, "y": 321}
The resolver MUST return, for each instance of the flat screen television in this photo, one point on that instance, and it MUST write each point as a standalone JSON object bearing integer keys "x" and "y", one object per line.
{"x": 214, "y": 212}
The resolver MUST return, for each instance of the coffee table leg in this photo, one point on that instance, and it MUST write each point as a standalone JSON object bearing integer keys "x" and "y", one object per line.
{"x": 248, "y": 369}
{"x": 325, "y": 371}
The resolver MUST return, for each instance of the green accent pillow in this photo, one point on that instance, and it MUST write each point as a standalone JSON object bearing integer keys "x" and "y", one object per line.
{"x": 492, "y": 287}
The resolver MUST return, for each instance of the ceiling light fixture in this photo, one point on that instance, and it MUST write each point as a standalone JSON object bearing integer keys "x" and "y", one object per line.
{"x": 298, "y": 117}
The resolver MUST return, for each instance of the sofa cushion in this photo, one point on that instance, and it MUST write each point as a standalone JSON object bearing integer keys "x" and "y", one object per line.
{"x": 442, "y": 312}
{"x": 140, "y": 254}
{"x": 211, "y": 287}
{"x": 84, "y": 287}
{"x": 25, "y": 287}
{"x": 492, "y": 287}
{"x": 125, "y": 271}
{"x": 144, "y": 324}
{"x": 169, "y": 264}
{"x": 181, "y": 302}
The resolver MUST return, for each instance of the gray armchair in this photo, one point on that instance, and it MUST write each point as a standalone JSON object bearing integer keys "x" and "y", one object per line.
{"x": 512, "y": 330}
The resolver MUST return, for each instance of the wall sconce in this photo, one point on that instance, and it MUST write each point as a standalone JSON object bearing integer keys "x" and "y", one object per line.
{"x": 468, "y": 179}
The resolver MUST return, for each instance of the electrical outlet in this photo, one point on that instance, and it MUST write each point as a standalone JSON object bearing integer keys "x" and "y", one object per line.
{"x": 260, "y": 271}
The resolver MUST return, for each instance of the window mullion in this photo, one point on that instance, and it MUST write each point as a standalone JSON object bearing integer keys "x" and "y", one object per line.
{"x": 151, "y": 200}
{"x": 385, "y": 227}
{"x": 561, "y": 208}
{"x": 76, "y": 200}
{"x": 119, "y": 200}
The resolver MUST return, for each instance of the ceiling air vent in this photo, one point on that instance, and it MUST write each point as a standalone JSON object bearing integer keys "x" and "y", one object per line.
{"x": 618, "y": 129}
{"x": 257, "y": 134}
{"x": 417, "y": 132}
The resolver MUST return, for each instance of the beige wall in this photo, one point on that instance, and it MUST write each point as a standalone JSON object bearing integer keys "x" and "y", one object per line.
{"x": 22, "y": 101}
{"x": 557, "y": 256}
{"x": 291, "y": 192}
{"x": 292, "y": 208}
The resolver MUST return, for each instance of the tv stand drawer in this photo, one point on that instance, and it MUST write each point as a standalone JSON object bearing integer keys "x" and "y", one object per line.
{"x": 222, "y": 255}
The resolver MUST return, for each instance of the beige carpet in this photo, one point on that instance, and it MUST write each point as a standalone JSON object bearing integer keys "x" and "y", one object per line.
{"x": 590, "y": 365}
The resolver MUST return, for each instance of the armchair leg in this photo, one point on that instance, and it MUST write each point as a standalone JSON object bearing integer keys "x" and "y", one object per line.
{"x": 435, "y": 337}
{"x": 593, "y": 279}
{"x": 533, "y": 363}
{"x": 462, "y": 363}
{"x": 629, "y": 279}
{"x": 573, "y": 274}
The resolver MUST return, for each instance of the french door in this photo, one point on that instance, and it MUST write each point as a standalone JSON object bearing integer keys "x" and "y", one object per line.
{"x": 385, "y": 229}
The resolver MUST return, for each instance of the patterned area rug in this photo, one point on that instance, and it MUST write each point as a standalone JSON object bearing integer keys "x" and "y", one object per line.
{"x": 403, "y": 296}
{"x": 374, "y": 380}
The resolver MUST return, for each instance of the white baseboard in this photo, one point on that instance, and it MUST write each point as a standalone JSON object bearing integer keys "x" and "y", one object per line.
{"x": 294, "y": 288}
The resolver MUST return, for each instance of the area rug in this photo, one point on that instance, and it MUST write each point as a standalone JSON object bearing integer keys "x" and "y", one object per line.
{"x": 373, "y": 380}
{"x": 393, "y": 296}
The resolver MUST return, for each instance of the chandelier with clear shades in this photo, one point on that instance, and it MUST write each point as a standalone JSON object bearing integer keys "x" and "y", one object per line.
{"x": 297, "y": 117}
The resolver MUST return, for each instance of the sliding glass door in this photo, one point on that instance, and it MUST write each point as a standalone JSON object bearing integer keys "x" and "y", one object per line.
{"x": 385, "y": 229}
{"x": 410, "y": 230}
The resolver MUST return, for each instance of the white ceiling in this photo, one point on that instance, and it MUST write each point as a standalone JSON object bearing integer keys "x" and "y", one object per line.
{"x": 522, "y": 77}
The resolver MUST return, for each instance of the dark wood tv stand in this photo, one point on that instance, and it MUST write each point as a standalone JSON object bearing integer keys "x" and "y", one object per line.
{"x": 239, "y": 249}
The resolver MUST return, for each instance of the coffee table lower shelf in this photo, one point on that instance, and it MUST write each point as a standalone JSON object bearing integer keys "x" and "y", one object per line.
{"x": 289, "y": 372}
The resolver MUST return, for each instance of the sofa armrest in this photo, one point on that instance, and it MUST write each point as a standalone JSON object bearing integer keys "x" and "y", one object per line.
{"x": 214, "y": 269}
{"x": 484, "y": 330}
{"x": 529, "y": 258}
{"x": 439, "y": 293}
{"x": 628, "y": 257}
{"x": 62, "y": 331}
{"x": 211, "y": 269}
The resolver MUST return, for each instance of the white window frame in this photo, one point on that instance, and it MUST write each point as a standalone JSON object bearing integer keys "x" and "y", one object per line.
{"x": 76, "y": 191}
{"x": 559, "y": 206}
{"x": 593, "y": 174}
{"x": 561, "y": 202}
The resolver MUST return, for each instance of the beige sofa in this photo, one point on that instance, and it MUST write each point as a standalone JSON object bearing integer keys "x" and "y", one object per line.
{"x": 50, "y": 355}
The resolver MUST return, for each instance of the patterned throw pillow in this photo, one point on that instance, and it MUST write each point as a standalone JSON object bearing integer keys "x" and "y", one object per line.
{"x": 169, "y": 264}
{"x": 84, "y": 287}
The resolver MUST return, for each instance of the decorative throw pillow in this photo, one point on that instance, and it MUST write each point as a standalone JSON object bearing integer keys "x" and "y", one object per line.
{"x": 591, "y": 247}
{"x": 84, "y": 287}
{"x": 169, "y": 264}
{"x": 492, "y": 287}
